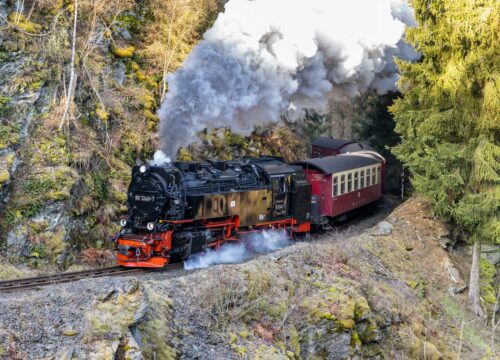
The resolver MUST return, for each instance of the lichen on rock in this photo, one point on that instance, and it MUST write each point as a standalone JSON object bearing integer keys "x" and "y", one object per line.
{"x": 122, "y": 52}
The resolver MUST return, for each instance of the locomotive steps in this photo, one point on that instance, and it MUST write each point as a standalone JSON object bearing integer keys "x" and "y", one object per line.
{"x": 358, "y": 291}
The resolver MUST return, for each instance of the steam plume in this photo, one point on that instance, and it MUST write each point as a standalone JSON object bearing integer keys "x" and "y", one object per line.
{"x": 266, "y": 58}
{"x": 258, "y": 243}
{"x": 160, "y": 159}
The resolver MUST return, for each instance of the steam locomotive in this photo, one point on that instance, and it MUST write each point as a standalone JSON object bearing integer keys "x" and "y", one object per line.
{"x": 182, "y": 208}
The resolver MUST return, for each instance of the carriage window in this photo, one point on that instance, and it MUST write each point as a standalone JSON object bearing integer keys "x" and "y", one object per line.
{"x": 349, "y": 182}
{"x": 368, "y": 177}
{"x": 379, "y": 175}
{"x": 342, "y": 184}
{"x": 374, "y": 176}
{"x": 335, "y": 185}
{"x": 356, "y": 184}
{"x": 362, "y": 179}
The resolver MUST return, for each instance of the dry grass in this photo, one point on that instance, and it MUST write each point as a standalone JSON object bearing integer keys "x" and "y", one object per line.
{"x": 392, "y": 285}
{"x": 236, "y": 297}
{"x": 97, "y": 257}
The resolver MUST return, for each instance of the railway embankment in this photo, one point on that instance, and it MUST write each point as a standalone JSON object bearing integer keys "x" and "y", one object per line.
{"x": 390, "y": 291}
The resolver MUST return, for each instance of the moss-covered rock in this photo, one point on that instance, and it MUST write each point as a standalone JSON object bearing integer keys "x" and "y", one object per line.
{"x": 155, "y": 333}
{"x": 4, "y": 104}
{"x": 122, "y": 52}
{"x": 4, "y": 176}
{"x": 9, "y": 135}
{"x": 368, "y": 332}
{"x": 50, "y": 184}
{"x": 109, "y": 318}
{"x": 488, "y": 274}
{"x": 21, "y": 22}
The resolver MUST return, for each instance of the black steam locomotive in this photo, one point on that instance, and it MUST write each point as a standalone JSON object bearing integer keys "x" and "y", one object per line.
{"x": 181, "y": 208}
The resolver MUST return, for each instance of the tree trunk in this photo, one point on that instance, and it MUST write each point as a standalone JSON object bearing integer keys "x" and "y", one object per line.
{"x": 474, "y": 289}
{"x": 72, "y": 82}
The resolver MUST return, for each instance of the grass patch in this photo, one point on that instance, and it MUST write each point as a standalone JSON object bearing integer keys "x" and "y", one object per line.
{"x": 452, "y": 308}
{"x": 22, "y": 23}
{"x": 9, "y": 135}
{"x": 488, "y": 274}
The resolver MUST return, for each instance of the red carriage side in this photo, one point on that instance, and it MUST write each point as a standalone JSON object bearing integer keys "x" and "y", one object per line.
{"x": 344, "y": 182}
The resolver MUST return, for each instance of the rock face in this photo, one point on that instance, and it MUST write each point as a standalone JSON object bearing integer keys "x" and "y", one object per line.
{"x": 95, "y": 324}
{"x": 81, "y": 164}
{"x": 338, "y": 297}
{"x": 491, "y": 253}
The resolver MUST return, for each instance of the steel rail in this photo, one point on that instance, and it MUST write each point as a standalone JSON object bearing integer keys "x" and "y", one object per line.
{"x": 45, "y": 280}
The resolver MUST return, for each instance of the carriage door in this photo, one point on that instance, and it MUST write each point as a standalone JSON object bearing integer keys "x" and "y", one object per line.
{"x": 281, "y": 186}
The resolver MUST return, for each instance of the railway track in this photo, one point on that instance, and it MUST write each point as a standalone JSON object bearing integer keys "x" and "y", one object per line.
{"x": 41, "y": 281}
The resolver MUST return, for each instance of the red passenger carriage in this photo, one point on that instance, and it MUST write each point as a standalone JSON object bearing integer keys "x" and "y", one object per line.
{"x": 344, "y": 182}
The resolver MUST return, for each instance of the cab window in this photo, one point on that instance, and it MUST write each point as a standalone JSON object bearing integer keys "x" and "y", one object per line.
{"x": 279, "y": 185}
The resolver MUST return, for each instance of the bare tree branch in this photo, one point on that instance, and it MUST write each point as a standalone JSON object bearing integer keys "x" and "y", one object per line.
{"x": 69, "y": 95}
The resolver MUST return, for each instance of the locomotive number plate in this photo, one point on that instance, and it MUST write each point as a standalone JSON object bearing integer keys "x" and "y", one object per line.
{"x": 144, "y": 198}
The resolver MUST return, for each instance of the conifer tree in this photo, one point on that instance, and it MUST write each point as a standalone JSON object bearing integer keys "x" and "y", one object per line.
{"x": 448, "y": 118}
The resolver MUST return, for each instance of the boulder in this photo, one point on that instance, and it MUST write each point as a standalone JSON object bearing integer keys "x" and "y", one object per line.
{"x": 454, "y": 274}
{"x": 384, "y": 228}
{"x": 454, "y": 290}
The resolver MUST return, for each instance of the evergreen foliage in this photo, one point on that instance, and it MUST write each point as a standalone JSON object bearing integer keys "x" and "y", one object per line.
{"x": 448, "y": 119}
{"x": 374, "y": 124}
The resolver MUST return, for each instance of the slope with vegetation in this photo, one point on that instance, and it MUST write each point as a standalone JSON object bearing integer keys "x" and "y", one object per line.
{"x": 81, "y": 81}
{"x": 382, "y": 293}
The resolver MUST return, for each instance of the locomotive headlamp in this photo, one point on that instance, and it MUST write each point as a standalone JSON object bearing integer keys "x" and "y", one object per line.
{"x": 123, "y": 222}
{"x": 150, "y": 226}
{"x": 143, "y": 169}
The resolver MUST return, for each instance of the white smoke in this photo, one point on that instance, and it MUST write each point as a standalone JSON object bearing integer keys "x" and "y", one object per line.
{"x": 266, "y": 58}
{"x": 160, "y": 159}
{"x": 230, "y": 253}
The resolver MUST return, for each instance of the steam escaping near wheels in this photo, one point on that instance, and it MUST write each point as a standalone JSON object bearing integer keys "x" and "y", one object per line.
{"x": 232, "y": 253}
{"x": 265, "y": 59}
